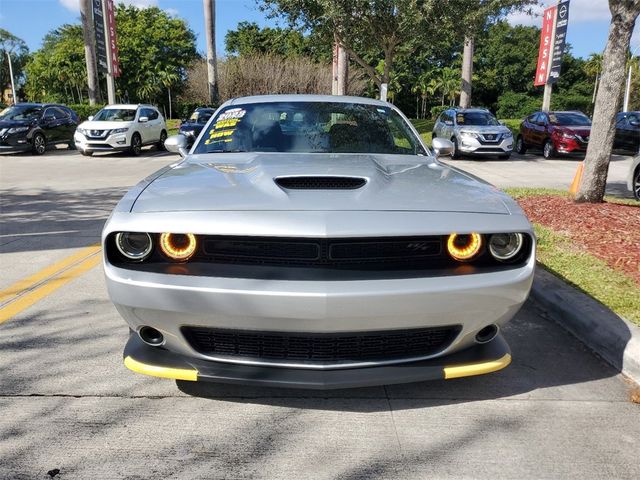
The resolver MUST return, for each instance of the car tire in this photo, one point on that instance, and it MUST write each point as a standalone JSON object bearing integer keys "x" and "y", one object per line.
{"x": 455, "y": 154}
{"x": 163, "y": 137}
{"x": 636, "y": 183}
{"x": 86, "y": 154}
{"x": 548, "y": 151}
{"x": 136, "y": 144}
{"x": 39, "y": 144}
{"x": 504, "y": 157}
{"x": 521, "y": 147}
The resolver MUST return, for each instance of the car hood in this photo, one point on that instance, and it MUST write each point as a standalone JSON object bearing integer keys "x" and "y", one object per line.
{"x": 582, "y": 131}
{"x": 484, "y": 128}
{"x": 247, "y": 182}
{"x": 92, "y": 125}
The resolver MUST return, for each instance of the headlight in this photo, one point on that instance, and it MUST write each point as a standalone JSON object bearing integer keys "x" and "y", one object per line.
{"x": 134, "y": 246}
{"x": 508, "y": 134}
{"x": 83, "y": 131}
{"x": 178, "y": 246}
{"x": 464, "y": 246}
{"x": 568, "y": 135}
{"x": 18, "y": 129}
{"x": 505, "y": 246}
{"x": 119, "y": 130}
{"x": 468, "y": 134}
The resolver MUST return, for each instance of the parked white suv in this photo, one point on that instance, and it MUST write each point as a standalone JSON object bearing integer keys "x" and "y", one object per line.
{"x": 121, "y": 127}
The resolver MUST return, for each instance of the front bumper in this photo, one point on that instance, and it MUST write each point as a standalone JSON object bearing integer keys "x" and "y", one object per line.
{"x": 570, "y": 145}
{"x": 15, "y": 143}
{"x": 474, "y": 146}
{"x": 115, "y": 142}
{"x": 477, "y": 360}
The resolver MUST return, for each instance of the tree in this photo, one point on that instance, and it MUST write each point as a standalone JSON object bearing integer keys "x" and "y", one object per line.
{"x": 210, "y": 30}
{"x": 17, "y": 49}
{"x": 89, "y": 51}
{"x": 369, "y": 30}
{"x": 592, "y": 69}
{"x": 473, "y": 16}
{"x": 596, "y": 164}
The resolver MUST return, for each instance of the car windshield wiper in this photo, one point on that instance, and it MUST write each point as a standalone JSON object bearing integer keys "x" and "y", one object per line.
{"x": 227, "y": 151}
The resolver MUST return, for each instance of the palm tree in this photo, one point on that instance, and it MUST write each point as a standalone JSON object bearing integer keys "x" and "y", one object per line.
{"x": 592, "y": 68}
{"x": 168, "y": 79}
{"x": 210, "y": 30}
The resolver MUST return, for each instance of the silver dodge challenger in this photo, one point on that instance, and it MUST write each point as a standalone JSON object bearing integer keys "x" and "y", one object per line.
{"x": 315, "y": 242}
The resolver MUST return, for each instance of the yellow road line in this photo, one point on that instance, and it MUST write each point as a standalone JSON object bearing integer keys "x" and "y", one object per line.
{"x": 25, "y": 293}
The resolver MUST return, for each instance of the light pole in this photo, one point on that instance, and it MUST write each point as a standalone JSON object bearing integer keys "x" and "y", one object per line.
{"x": 13, "y": 85}
{"x": 627, "y": 91}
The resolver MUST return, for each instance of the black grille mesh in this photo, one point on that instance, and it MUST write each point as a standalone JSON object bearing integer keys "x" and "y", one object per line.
{"x": 320, "y": 183}
{"x": 321, "y": 348}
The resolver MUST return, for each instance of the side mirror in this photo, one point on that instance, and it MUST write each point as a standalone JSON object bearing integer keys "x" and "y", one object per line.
{"x": 501, "y": 122}
{"x": 184, "y": 120}
{"x": 442, "y": 147}
{"x": 177, "y": 144}
{"x": 143, "y": 119}
{"x": 90, "y": 117}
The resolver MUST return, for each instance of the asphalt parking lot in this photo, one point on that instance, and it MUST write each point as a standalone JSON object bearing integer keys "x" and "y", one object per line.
{"x": 68, "y": 403}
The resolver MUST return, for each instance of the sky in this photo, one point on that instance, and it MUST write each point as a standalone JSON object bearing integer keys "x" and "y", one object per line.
{"x": 32, "y": 19}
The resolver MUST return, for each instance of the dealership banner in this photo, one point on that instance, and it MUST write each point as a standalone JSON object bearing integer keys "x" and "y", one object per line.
{"x": 113, "y": 41}
{"x": 546, "y": 46}
{"x": 101, "y": 43}
{"x": 560, "y": 40}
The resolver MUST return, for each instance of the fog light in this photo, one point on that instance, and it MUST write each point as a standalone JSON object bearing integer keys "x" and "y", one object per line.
{"x": 133, "y": 245}
{"x": 178, "y": 246}
{"x": 464, "y": 246}
{"x": 505, "y": 246}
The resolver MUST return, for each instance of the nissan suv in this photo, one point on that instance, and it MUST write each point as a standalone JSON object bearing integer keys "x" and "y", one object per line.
{"x": 474, "y": 131}
{"x": 121, "y": 128}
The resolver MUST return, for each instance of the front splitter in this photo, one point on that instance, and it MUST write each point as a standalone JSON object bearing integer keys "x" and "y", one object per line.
{"x": 479, "y": 359}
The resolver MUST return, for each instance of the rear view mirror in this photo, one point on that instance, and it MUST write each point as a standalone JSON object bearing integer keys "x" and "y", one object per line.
{"x": 442, "y": 147}
{"x": 177, "y": 144}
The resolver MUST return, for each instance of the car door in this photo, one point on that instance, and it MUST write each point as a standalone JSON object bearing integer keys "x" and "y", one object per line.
{"x": 527, "y": 129}
{"x": 540, "y": 129}
{"x": 50, "y": 125}
{"x": 64, "y": 125}
{"x": 145, "y": 128}
{"x": 628, "y": 132}
{"x": 155, "y": 119}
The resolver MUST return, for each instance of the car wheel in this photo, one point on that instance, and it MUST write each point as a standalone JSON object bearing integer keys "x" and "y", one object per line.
{"x": 636, "y": 184}
{"x": 548, "y": 151}
{"x": 39, "y": 144}
{"x": 455, "y": 153}
{"x": 136, "y": 144}
{"x": 504, "y": 157}
{"x": 163, "y": 137}
{"x": 521, "y": 148}
{"x": 86, "y": 154}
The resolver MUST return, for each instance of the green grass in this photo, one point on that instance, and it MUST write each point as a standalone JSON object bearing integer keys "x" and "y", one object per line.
{"x": 558, "y": 254}
{"x": 172, "y": 126}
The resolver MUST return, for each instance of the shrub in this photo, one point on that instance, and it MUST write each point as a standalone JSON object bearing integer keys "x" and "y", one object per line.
{"x": 84, "y": 111}
{"x": 517, "y": 105}
{"x": 437, "y": 110}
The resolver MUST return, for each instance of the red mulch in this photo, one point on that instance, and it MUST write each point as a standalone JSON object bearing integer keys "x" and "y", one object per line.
{"x": 609, "y": 231}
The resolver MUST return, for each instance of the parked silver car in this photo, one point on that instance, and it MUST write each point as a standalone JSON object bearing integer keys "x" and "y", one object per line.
{"x": 316, "y": 242}
{"x": 474, "y": 131}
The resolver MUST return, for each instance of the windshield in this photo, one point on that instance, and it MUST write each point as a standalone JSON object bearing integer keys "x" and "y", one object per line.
{"x": 309, "y": 127}
{"x": 476, "y": 118}
{"x": 201, "y": 116}
{"x": 20, "y": 113}
{"x": 115, "y": 115}
{"x": 571, "y": 119}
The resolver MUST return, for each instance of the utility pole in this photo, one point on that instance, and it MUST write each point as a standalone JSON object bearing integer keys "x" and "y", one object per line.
{"x": 13, "y": 85}
{"x": 546, "y": 97}
{"x": 111, "y": 84}
{"x": 627, "y": 91}
{"x": 88, "y": 36}
{"x": 467, "y": 71}
{"x": 212, "y": 66}
{"x": 343, "y": 70}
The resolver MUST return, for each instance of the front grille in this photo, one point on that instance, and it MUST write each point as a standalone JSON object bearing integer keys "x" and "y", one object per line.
{"x": 490, "y": 138}
{"x": 330, "y": 348}
{"x": 320, "y": 183}
{"x": 320, "y": 252}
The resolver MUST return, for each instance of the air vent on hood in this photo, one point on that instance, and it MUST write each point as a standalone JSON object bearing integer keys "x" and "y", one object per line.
{"x": 320, "y": 183}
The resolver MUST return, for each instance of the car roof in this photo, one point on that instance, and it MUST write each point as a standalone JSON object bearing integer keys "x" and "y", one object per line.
{"x": 306, "y": 98}
{"x": 129, "y": 105}
{"x": 472, "y": 109}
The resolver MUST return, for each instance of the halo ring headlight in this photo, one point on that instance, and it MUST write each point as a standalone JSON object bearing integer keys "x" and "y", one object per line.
{"x": 464, "y": 247}
{"x": 505, "y": 246}
{"x": 178, "y": 246}
{"x": 134, "y": 246}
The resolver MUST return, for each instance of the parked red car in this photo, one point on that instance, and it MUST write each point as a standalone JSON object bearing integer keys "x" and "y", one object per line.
{"x": 554, "y": 133}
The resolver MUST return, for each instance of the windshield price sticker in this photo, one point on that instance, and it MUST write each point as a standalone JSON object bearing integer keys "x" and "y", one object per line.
{"x": 225, "y": 126}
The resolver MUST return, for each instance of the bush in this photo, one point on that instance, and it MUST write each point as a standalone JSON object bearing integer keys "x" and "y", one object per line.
{"x": 437, "y": 110}
{"x": 571, "y": 101}
{"x": 517, "y": 105}
{"x": 84, "y": 110}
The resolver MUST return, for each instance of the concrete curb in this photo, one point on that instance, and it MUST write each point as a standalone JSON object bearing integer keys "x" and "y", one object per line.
{"x": 612, "y": 337}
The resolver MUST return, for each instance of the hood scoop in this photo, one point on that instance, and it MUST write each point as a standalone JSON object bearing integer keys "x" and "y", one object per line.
{"x": 320, "y": 182}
